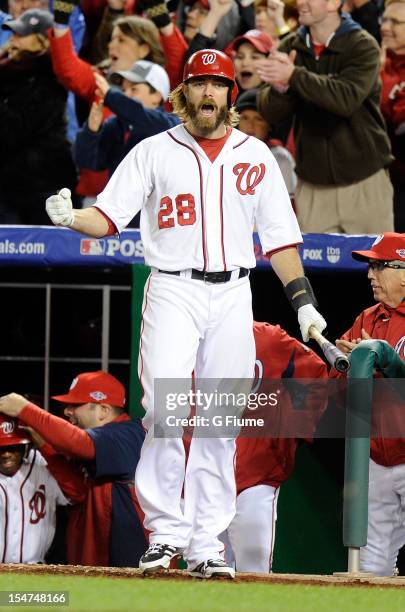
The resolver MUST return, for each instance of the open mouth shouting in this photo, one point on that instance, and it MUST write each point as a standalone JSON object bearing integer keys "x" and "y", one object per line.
{"x": 248, "y": 79}
{"x": 207, "y": 109}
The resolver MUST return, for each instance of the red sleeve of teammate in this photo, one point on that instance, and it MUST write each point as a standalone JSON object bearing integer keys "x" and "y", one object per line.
{"x": 69, "y": 477}
{"x": 59, "y": 433}
{"x": 175, "y": 49}
{"x": 75, "y": 74}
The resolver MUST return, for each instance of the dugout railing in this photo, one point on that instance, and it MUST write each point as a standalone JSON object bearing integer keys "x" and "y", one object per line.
{"x": 367, "y": 356}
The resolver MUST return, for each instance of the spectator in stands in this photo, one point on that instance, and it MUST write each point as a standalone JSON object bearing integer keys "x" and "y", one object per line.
{"x": 393, "y": 98}
{"x": 215, "y": 23}
{"x": 28, "y": 497}
{"x": 326, "y": 76}
{"x": 275, "y": 18}
{"x": 251, "y": 122}
{"x": 105, "y": 528}
{"x": 133, "y": 38}
{"x": 247, "y": 50}
{"x": 18, "y": 7}
{"x": 138, "y": 114}
{"x": 366, "y": 13}
{"x": 35, "y": 157}
{"x": 4, "y": 34}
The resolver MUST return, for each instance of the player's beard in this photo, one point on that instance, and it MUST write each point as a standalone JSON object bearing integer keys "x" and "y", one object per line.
{"x": 206, "y": 125}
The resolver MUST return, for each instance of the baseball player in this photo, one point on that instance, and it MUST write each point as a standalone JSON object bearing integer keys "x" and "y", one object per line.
{"x": 264, "y": 463}
{"x": 105, "y": 527}
{"x": 383, "y": 321}
{"x": 28, "y": 497}
{"x": 201, "y": 186}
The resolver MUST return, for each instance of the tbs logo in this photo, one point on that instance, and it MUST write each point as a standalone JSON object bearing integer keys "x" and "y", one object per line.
{"x": 92, "y": 246}
{"x": 333, "y": 254}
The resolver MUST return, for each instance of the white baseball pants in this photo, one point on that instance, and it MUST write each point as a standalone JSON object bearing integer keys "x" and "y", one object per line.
{"x": 249, "y": 539}
{"x": 386, "y": 519}
{"x": 190, "y": 325}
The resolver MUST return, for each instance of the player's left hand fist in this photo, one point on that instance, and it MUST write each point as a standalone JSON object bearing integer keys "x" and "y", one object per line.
{"x": 12, "y": 404}
{"x": 307, "y": 316}
{"x": 60, "y": 208}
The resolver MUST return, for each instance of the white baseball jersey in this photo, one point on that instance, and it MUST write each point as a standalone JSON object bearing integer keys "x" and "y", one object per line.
{"x": 27, "y": 511}
{"x": 197, "y": 213}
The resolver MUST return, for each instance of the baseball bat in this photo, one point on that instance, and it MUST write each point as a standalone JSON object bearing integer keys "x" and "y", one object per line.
{"x": 335, "y": 357}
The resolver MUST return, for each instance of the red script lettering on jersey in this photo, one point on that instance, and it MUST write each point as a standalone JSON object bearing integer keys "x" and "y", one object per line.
{"x": 37, "y": 505}
{"x": 252, "y": 175}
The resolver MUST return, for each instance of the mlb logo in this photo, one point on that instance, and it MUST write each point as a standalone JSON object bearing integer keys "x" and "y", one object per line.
{"x": 92, "y": 246}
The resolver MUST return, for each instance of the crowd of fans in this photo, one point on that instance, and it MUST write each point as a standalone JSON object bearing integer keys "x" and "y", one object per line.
{"x": 82, "y": 82}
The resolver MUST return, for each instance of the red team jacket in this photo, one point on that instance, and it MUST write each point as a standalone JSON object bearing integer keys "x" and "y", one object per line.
{"x": 384, "y": 323}
{"x": 105, "y": 523}
{"x": 264, "y": 460}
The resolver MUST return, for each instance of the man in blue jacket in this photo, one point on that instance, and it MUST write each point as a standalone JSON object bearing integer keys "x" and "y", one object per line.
{"x": 138, "y": 107}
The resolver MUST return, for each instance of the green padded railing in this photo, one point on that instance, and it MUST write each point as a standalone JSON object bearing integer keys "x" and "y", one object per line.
{"x": 364, "y": 358}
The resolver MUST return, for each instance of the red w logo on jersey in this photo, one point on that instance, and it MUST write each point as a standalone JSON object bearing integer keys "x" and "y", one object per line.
{"x": 37, "y": 505}
{"x": 250, "y": 176}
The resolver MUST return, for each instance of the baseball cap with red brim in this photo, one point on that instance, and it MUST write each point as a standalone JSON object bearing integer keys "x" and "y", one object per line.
{"x": 94, "y": 387}
{"x": 261, "y": 41}
{"x": 389, "y": 246}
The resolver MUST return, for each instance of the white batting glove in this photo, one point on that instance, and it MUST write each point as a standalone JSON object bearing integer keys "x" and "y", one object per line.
{"x": 307, "y": 316}
{"x": 60, "y": 208}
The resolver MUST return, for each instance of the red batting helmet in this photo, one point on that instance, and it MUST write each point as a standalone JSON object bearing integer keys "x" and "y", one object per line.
{"x": 11, "y": 433}
{"x": 211, "y": 62}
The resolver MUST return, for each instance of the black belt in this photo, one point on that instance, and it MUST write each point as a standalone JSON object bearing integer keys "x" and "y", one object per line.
{"x": 210, "y": 277}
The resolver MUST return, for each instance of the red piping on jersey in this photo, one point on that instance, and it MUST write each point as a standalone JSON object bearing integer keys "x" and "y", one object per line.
{"x": 221, "y": 193}
{"x": 22, "y": 503}
{"x": 270, "y": 254}
{"x": 5, "y": 522}
{"x": 204, "y": 229}
{"x": 112, "y": 228}
{"x": 241, "y": 142}
{"x": 140, "y": 338}
{"x": 273, "y": 527}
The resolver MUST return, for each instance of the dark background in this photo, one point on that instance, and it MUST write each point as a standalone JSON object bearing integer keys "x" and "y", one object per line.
{"x": 310, "y": 505}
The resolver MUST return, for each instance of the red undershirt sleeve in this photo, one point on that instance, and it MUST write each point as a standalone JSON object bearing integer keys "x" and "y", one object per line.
{"x": 63, "y": 436}
{"x": 111, "y": 226}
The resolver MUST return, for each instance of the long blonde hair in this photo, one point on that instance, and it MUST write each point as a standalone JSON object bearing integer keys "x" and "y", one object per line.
{"x": 179, "y": 104}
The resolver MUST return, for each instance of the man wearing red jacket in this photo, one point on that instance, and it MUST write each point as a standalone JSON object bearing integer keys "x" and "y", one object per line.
{"x": 105, "y": 528}
{"x": 264, "y": 463}
{"x": 393, "y": 98}
{"x": 384, "y": 321}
